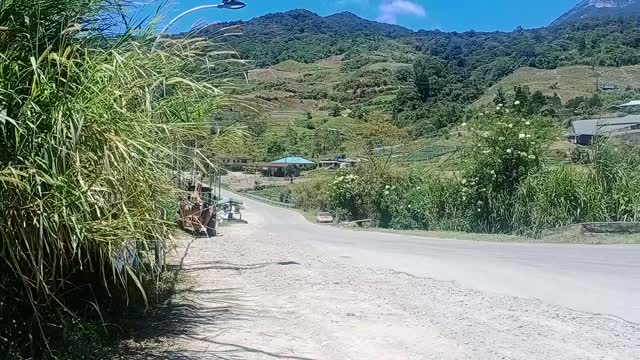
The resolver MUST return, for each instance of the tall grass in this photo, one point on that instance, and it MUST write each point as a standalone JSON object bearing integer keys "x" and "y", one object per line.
{"x": 90, "y": 124}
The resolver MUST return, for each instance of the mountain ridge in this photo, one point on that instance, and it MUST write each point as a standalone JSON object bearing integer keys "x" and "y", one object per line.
{"x": 599, "y": 8}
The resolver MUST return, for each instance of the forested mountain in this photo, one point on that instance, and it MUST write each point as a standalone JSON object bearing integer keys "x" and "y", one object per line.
{"x": 600, "y": 8}
{"x": 472, "y": 60}
{"x": 306, "y": 37}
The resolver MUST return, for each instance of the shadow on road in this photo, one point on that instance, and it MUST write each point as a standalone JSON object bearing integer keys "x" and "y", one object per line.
{"x": 188, "y": 324}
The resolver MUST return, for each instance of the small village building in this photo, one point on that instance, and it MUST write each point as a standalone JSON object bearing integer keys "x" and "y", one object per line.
{"x": 239, "y": 163}
{"x": 337, "y": 164}
{"x": 287, "y": 167}
{"x": 585, "y": 132}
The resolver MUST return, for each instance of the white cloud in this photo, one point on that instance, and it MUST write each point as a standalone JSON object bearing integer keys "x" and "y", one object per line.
{"x": 390, "y": 9}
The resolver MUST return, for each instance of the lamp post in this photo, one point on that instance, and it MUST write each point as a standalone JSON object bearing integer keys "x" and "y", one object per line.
{"x": 226, "y": 4}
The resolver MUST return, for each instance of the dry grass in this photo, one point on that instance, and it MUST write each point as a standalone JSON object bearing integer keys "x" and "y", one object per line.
{"x": 572, "y": 81}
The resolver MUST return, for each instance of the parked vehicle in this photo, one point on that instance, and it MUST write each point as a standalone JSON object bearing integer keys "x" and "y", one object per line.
{"x": 324, "y": 218}
{"x": 198, "y": 211}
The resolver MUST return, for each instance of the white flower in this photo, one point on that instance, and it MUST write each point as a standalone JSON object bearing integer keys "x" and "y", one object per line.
{"x": 528, "y": 123}
{"x": 509, "y": 151}
{"x": 464, "y": 124}
{"x": 493, "y": 172}
{"x": 517, "y": 102}
{"x": 501, "y": 138}
{"x": 522, "y": 136}
{"x": 387, "y": 187}
{"x": 528, "y": 136}
{"x": 532, "y": 157}
{"x": 510, "y": 126}
{"x": 486, "y": 152}
{"x": 500, "y": 105}
{"x": 480, "y": 114}
{"x": 464, "y": 181}
{"x": 386, "y": 192}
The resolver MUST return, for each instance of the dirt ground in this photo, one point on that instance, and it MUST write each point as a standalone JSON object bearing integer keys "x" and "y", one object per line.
{"x": 237, "y": 181}
{"x": 253, "y": 294}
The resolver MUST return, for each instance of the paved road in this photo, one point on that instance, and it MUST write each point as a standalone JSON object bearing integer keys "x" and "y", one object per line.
{"x": 280, "y": 287}
{"x": 596, "y": 279}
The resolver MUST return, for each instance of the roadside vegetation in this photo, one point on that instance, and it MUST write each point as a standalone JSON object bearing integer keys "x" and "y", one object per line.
{"x": 451, "y": 135}
{"x": 90, "y": 123}
{"x": 505, "y": 183}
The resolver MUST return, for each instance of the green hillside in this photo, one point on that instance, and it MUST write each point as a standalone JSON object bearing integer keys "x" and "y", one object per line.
{"x": 568, "y": 82}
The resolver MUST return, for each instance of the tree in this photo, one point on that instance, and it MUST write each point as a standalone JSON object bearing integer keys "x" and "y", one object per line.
{"x": 335, "y": 110}
{"x": 500, "y": 98}
{"x": 404, "y": 75}
{"x": 430, "y": 74}
{"x": 537, "y": 102}
{"x": 359, "y": 113}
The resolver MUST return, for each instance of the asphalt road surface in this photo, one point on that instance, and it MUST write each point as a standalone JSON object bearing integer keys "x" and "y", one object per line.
{"x": 281, "y": 287}
{"x": 603, "y": 279}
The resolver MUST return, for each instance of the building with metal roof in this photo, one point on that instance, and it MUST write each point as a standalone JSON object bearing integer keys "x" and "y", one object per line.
{"x": 286, "y": 167}
{"x": 295, "y": 160}
{"x": 630, "y": 104}
{"x": 583, "y": 132}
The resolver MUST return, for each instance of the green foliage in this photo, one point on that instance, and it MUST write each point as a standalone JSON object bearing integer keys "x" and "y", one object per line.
{"x": 483, "y": 57}
{"x": 504, "y": 150}
{"x": 564, "y": 196}
{"x": 312, "y": 194}
{"x": 90, "y": 128}
{"x": 335, "y": 110}
{"x": 344, "y": 195}
{"x": 582, "y": 105}
{"x": 425, "y": 202}
{"x": 359, "y": 113}
{"x": 430, "y": 77}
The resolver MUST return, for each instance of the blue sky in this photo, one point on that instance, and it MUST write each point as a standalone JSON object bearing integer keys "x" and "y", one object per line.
{"x": 451, "y": 15}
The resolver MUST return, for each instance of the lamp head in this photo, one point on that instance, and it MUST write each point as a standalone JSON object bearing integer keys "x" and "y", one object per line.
{"x": 232, "y": 4}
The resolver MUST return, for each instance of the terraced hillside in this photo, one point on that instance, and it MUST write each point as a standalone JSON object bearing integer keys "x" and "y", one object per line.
{"x": 568, "y": 82}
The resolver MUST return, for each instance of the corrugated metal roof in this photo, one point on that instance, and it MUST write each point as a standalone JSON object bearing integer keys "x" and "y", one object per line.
{"x": 293, "y": 160}
{"x": 603, "y": 126}
{"x": 631, "y": 103}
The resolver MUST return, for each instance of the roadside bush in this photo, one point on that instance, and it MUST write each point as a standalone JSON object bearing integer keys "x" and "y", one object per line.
{"x": 557, "y": 197}
{"x": 422, "y": 202}
{"x": 311, "y": 194}
{"x": 503, "y": 150}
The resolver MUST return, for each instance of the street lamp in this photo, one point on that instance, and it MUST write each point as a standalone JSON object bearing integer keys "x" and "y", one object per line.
{"x": 226, "y": 4}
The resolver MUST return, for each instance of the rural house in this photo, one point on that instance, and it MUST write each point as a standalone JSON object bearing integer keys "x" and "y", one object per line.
{"x": 236, "y": 163}
{"x": 289, "y": 166}
{"x": 584, "y": 132}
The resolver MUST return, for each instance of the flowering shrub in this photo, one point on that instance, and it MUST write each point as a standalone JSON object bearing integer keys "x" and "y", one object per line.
{"x": 503, "y": 151}
{"x": 344, "y": 196}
